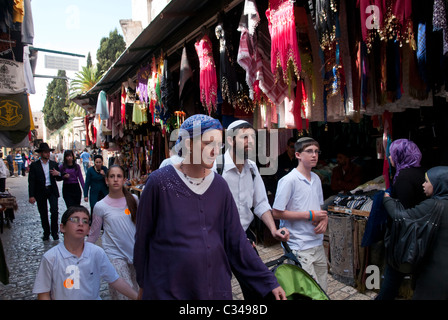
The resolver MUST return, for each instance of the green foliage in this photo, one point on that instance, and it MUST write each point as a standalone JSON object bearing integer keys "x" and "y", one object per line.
{"x": 55, "y": 103}
{"x": 109, "y": 51}
{"x": 89, "y": 60}
{"x": 84, "y": 80}
{"x": 74, "y": 110}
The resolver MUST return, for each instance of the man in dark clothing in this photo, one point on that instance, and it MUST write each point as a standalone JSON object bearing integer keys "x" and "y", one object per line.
{"x": 42, "y": 187}
{"x": 346, "y": 176}
{"x": 10, "y": 159}
{"x": 287, "y": 160}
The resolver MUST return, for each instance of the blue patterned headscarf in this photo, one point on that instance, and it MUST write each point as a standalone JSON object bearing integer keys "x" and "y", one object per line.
{"x": 404, "y": 154}
{"x": 194, "y": 126}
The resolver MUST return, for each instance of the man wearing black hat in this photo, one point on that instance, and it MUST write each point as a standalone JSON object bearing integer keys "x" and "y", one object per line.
{"x": 42, "y": 187}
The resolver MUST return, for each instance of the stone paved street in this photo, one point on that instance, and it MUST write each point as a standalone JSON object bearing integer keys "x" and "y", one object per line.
{"x": 24, "y": 247}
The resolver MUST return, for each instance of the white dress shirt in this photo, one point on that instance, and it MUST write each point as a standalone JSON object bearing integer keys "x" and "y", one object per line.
{"x": 248, "y": 192}
{"x": 46, "y": 168}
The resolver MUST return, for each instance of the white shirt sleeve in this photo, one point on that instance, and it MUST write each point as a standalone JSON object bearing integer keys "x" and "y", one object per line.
{"x": 283, "y": 194}
{"x": 260, "y": 200}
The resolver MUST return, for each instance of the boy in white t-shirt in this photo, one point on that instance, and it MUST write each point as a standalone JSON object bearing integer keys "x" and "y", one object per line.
{"x": 297, "y": 204}
{"x": 73, "y": 269}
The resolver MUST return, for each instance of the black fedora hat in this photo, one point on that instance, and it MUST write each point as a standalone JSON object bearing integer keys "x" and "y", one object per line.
{"x": 43, "y": 147}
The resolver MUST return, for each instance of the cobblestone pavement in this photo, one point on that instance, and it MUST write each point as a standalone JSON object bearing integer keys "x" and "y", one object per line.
{"x": 24, "y": 248}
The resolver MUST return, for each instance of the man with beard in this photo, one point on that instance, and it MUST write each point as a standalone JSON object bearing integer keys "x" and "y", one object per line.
{"x": 42, "y": 187}
{"x": 247, "y": 186}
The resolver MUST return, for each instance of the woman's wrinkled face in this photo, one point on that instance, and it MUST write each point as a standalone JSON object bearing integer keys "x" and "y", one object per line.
{"x": 207, "y": 148}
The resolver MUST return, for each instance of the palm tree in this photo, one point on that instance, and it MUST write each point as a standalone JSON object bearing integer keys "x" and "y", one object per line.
{"x": 83, "y": 82}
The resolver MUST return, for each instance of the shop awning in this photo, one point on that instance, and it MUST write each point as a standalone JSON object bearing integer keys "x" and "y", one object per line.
{"x": 179, "y": 20}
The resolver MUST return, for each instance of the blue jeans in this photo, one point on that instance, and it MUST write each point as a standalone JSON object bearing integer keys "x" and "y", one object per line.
{"x": 86, "y": 166}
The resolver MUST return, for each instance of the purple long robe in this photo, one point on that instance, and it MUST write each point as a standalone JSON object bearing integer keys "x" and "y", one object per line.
{"x": 185, "y": 243}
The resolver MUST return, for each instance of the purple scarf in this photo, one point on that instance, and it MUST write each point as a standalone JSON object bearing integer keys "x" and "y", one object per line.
{"x": 404, "y": 154}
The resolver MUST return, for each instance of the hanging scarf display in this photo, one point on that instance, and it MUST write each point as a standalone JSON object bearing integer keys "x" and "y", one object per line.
{"x": 389, "y": 19}
{"x": 275, "y": 91}
{"x": 208, "y": 84}
{"x": 284, "y": 48}
{"x": 439, "y": 21}
{"x": 227, "y": 76}
{"x": 247, "y": 53}
{"x": 185, "y": 71}
{"x": 142, "y": 83}
{"x": 152, "y": 88}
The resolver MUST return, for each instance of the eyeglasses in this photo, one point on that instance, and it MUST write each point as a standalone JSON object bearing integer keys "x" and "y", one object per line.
{"x": 311, "y": 151}
{"x": 77, "y": 220}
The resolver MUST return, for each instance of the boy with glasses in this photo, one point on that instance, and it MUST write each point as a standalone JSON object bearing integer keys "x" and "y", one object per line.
{"x": 298, "y": 206}
{"x": 73, "y": 269}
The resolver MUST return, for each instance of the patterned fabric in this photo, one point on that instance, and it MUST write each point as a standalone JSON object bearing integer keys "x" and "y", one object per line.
{"x": 284, "y": 47}
{"x": 341, "y": 248}
{"x": 439, "y": 22}
{"x": 196, "y": 125}
{"x": 127, "y": 272}
{"x": 208, "y": 82}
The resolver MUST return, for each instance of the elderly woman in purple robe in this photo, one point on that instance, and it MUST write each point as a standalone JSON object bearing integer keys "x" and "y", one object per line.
{"x": 189, "y": 236}
{"x": 409, "y": 176}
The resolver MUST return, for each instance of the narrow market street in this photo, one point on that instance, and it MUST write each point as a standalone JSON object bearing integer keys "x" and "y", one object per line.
{"x": 24, "y": 247}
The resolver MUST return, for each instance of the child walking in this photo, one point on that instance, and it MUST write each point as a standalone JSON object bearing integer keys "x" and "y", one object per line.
{"x": 298, "y": 206}
{"x": 116, "y": 213}
{"x": 73, "y": 269}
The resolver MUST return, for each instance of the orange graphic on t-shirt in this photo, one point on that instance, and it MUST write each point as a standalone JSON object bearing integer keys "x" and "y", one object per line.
{"x": 127, "y": 211}
{"x": 68, "y": 283}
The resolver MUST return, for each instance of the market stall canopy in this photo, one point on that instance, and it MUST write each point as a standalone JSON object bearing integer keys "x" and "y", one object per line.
{"x": 177, "y": 23}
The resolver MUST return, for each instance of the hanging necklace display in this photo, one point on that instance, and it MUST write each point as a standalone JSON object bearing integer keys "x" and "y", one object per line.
{"x": 190, "y": 180}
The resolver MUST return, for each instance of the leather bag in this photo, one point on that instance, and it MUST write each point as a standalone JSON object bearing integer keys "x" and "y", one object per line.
{"x": 408, "y": 241}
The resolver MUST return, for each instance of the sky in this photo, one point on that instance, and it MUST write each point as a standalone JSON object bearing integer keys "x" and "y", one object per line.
{"x": 75, "y": 27}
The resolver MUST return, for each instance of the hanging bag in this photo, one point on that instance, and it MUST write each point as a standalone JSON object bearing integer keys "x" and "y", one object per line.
{"x": 409, "y": 239}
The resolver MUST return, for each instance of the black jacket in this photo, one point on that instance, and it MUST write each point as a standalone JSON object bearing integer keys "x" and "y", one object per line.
{"x": 36, "y": 180}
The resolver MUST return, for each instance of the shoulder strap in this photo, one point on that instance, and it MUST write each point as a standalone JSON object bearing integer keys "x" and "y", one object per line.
{"x": 220, "y": 165}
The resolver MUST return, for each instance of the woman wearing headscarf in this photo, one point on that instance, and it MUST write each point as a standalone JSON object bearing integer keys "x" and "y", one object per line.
{"x": 431, "y": 281}
{"x": 189, "y": 234}
{"x": 409, "y": 176}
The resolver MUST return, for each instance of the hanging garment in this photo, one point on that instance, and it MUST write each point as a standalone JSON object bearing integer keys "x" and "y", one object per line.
{"x": 29, "y": 78}
{"x": 185, "y": 71}
{"x": 12, "y": 77}
{"x": 248, "y": 43}
{"x": 439, "y": 21}
{"x": 227, "y": 76}
{"x": 275, "y": 91}
{"x": 284, "y": 48}
{"x": 167, "y": 95}
{"x": 208, "y": 84}
{"x": 142, "y": 83}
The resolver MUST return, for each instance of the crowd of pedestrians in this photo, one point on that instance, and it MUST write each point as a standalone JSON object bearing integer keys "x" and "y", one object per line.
{"x": 190, "y": 229}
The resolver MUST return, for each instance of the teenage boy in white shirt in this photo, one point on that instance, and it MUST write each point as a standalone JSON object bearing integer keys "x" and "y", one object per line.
{"x": 297, "y": 204}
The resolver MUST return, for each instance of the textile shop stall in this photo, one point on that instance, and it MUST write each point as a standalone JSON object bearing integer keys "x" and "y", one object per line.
{"x": 348, "y": 216}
